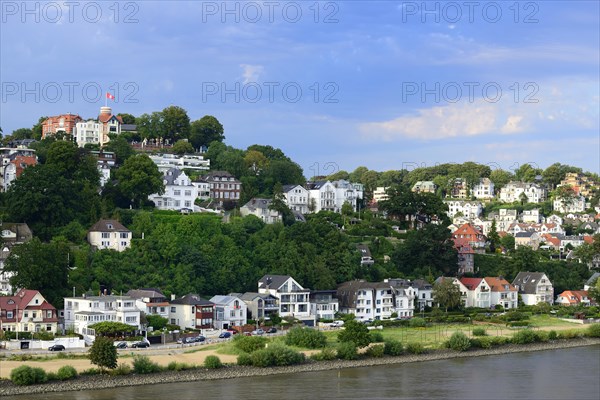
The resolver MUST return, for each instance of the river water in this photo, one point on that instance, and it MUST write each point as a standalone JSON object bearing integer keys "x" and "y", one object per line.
{"x": 553, "y": 374}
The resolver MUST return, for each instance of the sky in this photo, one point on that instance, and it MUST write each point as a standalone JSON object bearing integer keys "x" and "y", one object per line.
{"x": 335, "y": 85}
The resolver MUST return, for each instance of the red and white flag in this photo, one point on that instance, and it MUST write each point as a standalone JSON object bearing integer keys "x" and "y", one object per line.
{"x": 110, "y": 96}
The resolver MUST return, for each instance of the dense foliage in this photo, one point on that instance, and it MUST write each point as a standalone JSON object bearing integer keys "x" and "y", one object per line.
{"x": 103, "y": 353}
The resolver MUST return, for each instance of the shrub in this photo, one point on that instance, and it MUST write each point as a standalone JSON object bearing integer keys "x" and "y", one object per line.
{"x": 66, "y": 372}
{"x": 417, "y": 322}
{"x": 499, "y": 340}
{"x": 212, "y": 362}
{"x": 593, "y": 330}
{"x": 103, "y": 353}
{"x": 479, "y": 332}
{"x": 347, "y": 351}
{"x": 22, "y": 375}
{"x": 324, "y": 355}
{"x": 143, "y": 365}
{"x": 376, "y": 337}
{"x": 515, "y": 316}
{"x": 569, "y": 334}
{"x": 122, "y": 369}
{"x": 354, "y": 331}
{"x": 177, "y": 366}
{"x": 39, "y": 375}
{"x": 305, "y": 337}
{"x": 415, "y": 348}
{"x": 263, "y": 358}
{"x": 516, "y": 324}
{"x": 52, "y": 376}
{"x": 552, "y": 335}
{"x": 481, "y": 343}
{"x": 376, "y": 351}
{"x": 459, "y": 342}
{"x": 393, "y": 347}
{"x": 525, "y": 336}
{"x": 244, "y": 359}
{"x": 90, "y": 371}
{"x": 276, "y": 354}
{"x": 249, "y": 344}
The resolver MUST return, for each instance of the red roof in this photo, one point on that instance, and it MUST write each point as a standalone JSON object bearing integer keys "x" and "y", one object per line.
{"x": 470, "y": 283}
{"x": 499, "y": 284}
{"x": 588, "y": 239}
{"x": 574, "y": 296}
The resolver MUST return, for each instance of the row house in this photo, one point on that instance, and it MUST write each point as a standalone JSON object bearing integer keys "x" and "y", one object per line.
{"x": 424, "y": 187}
{"x": 260, "y": 208}
{"x": 572, "y": 205}
{"x": 534, "y": 288}
{"x": 11, "y": 234}
{"x": 192, "y": 311}
{"x": 105, "y": 162}
{"x": 97, "y": 131}
{"x": 489, "y": 292}
{"x": 230, "y": 311}
{"x": 82, "y": 312}
{"x": 469, "y": 209}
{"x": 150, "y": 301}
{"x": 179, "y": 193}
{"x": 292, "y": 298}
{"x": 192, "y": 162}
{"x": 423, "y": 294}
{"x": 484, "y": 189}
{"x": 377, "y": 300}
{"x": 13, "y": 164}
{"x": 109, "y": 234}
{"x": 513, "y": 192}
{"x": 64, "y": 124}
{"x": 27, "y": 311}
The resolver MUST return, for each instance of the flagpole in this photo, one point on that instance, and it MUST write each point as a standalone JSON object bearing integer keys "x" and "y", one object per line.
{"x": 106, "y": 99}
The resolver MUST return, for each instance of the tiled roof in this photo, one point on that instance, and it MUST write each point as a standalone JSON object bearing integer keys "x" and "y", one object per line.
{"x": 499, "y": 284}
{"x": 470, "y": 283}
{"x": 108, "y": 225}
{"x": 527, "y": 281}
{"x": 191, "y": 299}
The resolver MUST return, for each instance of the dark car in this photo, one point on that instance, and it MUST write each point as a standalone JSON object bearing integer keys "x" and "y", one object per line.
{"x": 272, "y": 330}
{"x": 140, "y": 345}
{"x": 56, "y": 347}
{"x": 199, "y": 338}
{"x": 225, "y": 335}
{"x": 121, "y": 345}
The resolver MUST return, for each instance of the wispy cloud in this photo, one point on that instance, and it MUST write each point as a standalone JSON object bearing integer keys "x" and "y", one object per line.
{"x": 251, "y": 73}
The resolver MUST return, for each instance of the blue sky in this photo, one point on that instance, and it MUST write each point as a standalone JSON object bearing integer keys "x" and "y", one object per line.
{"x": 334, "y": 84}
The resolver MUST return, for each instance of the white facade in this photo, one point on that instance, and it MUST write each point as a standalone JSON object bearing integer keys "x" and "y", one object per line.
{"x": 164, "y": 162}
{"x": 575, "y": 205}
{"x": 322, "y": 196}
{"x": 347, "y": 192}
{"x": 81, "y": 312}
{"x": 469, "y": 209}
{"x": 379, "y": 194}
{"x": 405, "y": 298}
{"x": 513, "y": 190}
{"x": 229, "y": 311}
{"x": 109, "y": 234}
{"x": 260, "y": 208}
{"x": 531, "y": 216}
{"x": 293, "y": 299}
{"x": 179, "y": 192}
{"x": 296, "y": 198}
{"x": 484, "y": 189}
{"x": 89, "y": 132}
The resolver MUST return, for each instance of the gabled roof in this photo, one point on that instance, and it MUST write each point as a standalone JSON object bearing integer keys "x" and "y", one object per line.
{"x": 258, "y": 204}
{"x": 595, "y": 275}
{"x": 287, "y": 188}
{"x": 526, "y": 234}
{"x": 470, "y": 283}
{"x": 467, "y": 229}
{"x": 421, "y": 284}
{"x": 149, "y": 292}
{"x": 250, "y": 296}
{"x": 21, "y": 300}
{"x": 499, "y": 284}
{"x": 574, "y": 296}
{"x": 192, "y": 300}
{"x": 108, "y": 225}
{"x": 273, "y": 281}
{"x": 223, "y": 300}
{"x": 527, "y": 281}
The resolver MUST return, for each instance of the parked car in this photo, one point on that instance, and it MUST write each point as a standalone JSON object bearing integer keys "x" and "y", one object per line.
{"x": 233, "y": 331}
{"x": 140, "y": 345}
{"x": 121, "y": 345}
{"x": 225, "y": 335}
{"x": 272, "y": 330}
{"x": 337, "y": 324}
{"x": 56, "y": 347}
{"x": 258, "y": 332}
{"x": 199, "y": 338}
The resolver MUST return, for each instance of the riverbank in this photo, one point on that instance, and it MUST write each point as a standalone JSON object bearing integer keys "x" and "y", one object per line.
{"x": 103, "y": 382}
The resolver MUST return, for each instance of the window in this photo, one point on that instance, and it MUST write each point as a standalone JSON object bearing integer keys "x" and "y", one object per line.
{"x": 173, "y": 309}
{"x": 124, "y": 235}
{"x": 232, "y": 313}
{"x": 188, "y": 192}
{"x": 105, "y": 235}
{"x": 25, "y": 314}
{"x": 9, "y": 314}
{"x": 48, "y": 328}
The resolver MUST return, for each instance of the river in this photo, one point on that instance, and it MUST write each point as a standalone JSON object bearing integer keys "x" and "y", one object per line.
{"x": 552, "y": 374}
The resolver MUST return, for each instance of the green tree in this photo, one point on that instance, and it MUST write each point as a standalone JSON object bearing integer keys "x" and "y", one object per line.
{"x": 157, "y": 322}
{"x": 41, "y": 266}
{"x": 205, "y": 131}
{"x": 122, "y": 149}
{"x": 103, "y": 353}
{"x": 176, "y": 123}
{"x": 138, "y": 178}
{"x": 500, "y": 178}
{"x": 356, "y": 333}
{"x": 150, "y": 126}
{"x": 527, "y": 173}
{"x": 493, "y": 237}
{"x": 183, "y": 147}
{"x": 127, "y": 118}
{"x": 446, "y": 294}
{"x": 594, "y": 291}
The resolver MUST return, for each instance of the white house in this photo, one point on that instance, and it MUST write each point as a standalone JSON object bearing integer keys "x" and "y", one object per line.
{"x": 179, "y": 193}
{"x": 97, "y": 131}
{"x": 534, "y": 288}
{"x": 532, "y": 216}
{"x": 322, "y": 196}
{"x": 296, "y": 198}
{"x": 150, "y": 301}
{"x": 260, "y": 208}
{"x": 194, "y": 162}
{"x": 229, "y": 311}
{"x": 484, "y": 189}
{"x": 377, "y": 300}
{"x": 293, "y": 299}
{"x": 348, "y": 192}
{"x": 424, "y": 187}
{"x": 106, "y": 161}
{"x": 574, "y": 205}
{"x": 380, "y": 194}
{"x": 323, "y": 304}
{"x": 109, "y": 234}
{"x": 512, "y": 192}
{"x": 81, "y": 312}
{"x": 469, "y": 209}
{"x": 191, "y": 311}
{"x": 423, "y": 294}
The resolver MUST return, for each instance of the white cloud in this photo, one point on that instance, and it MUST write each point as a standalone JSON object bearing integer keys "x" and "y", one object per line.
{"x": 251, "y": 73}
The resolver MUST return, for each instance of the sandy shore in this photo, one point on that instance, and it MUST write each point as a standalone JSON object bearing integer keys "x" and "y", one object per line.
{"x": 102, "y": 382}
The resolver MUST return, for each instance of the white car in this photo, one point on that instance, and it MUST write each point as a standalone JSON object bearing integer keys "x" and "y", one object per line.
{"x": 337, "y": 324}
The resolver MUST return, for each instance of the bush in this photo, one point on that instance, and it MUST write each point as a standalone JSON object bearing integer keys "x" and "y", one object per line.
{"x": 354, "y": 331}
{"x": 499, "y": 340}
{"x": 415, "y": 348}
{"x": 417, "y": 322}
{"x": 517, "y": 324}
{"x": 376, "y": 337}
{"x": 480, "y": 343}
{"x": 515, "y": 316}
{"x": 324, "y": 355}
{"x": 143, "y": 365}
{"x": 66, "y": 372}
{"x": 458, "y": 342}
{"x": 525, "y": 336}
{"x": 376, "y": 351}
{"x": 177, "y": 366}
{"x": 244, "y": 359}
{"x": 569, "y": 334}
{"x": 593, "y": 330}
{"x": 276, "y": 355}
{"x": 23, "y": 375}
{"x": 347, "y": 351}
{"x": 52, "y": 376}
{"x": 212, "y": 362}
{"x": 306, "y": 337}
{"x": 263, "y": 358}
{"x": 249, "y": 344}
{"x": 90, "y": 371}
{"x": 393, "y": 347}
{"x": 479, "y": 332}
{"x": 122, "y": 369}
{"x": 552, "y": 335}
